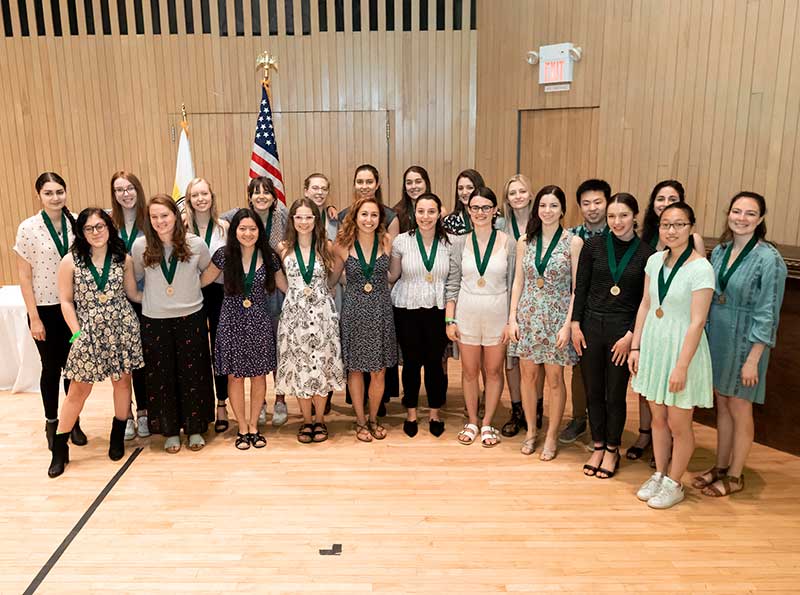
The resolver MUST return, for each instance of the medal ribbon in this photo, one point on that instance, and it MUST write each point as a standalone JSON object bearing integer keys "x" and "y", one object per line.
{"x": 209, "y": 231}
{"x": 618, "y": 269}
{"x": 367, "y": 267}
{"x": 61, "y": 246}
{"x": 128, "y": 239}
{"x": 725, "y": 273}
{"x": 427, "y": 259}
{"x": 251, "y": 274}
{"x": 467, "y": 222}
{"x": 663, "y": 286}
{"x": 99, "y": 279}
{"x": 169, "y": 273}
{"x": 482, "y": 263}
{"x": 514, "y": 226}
{"x": 306, "y": 272}
{"x": 541, "y": 264}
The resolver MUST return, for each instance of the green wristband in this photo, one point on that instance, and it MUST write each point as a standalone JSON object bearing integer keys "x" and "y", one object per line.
{"x": 75, "y": 335}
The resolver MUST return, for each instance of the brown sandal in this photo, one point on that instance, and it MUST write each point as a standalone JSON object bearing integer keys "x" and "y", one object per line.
{"x": 715, "y": 474}
{"x": 305, "y": 435}
{"x": 377, "y": 430}
{"x": 730, "y": 484}
{"x": 363, "y": 433}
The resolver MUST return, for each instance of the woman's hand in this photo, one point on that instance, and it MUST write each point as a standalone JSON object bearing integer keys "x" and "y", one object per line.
{"x": 621, "y": 349}
{"x": 677, "y": 380}
{"x": 512, "y": 332}
{"x": 562, "y": 338}
{"x": 452, "y": 332}
{"x": 578, "y": 340}
{"x": 633, "y": 362}
{"x": 749, "y": 373}
{"x": 37, "y": 329}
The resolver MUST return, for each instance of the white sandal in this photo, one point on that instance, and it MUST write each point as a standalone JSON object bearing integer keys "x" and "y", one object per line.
{"x": 489, "y": 433}
{"x": 469, "y": 432}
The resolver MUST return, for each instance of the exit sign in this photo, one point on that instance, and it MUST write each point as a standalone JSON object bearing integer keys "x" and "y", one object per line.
{"x": 555, "y": 64}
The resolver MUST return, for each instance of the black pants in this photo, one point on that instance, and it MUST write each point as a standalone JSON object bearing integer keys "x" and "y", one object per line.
{"x": 212, "y": 306}
{"x": 53, "y": 352}
{"x": 139, "y": 375}
{"x": 606, "y": 383}
{"x": 422, "y": 339}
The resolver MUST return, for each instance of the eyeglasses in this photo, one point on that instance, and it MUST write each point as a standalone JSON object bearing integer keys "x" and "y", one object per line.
{"x": 90, "y": 229}
{"x": 128, "y": 190}
{"x": 481, "y": 209}
{"x": 303, "y": 218}
{"x": 679, "y": 226}
{"x": 318, "y": 189}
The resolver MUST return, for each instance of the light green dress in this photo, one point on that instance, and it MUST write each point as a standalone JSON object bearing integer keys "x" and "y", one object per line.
{"x": 662, "y": 338}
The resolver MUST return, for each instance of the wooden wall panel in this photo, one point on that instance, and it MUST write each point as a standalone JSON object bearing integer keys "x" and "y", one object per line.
{"x": 705, "y": 92}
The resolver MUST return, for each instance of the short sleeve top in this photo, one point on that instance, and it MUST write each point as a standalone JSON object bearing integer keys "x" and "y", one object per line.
{"x": 413, "y": 290}
{"x": 36, "y": 247}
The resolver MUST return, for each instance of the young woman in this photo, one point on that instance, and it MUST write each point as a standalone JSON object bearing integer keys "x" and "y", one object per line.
{"x": 666, "y": 192}
{"x": 415, "y": 183}
{"x": 742, "y": 327}
{"x": 419, "y": 268}
{"x": 458, "y": 222}
{"x": 608, "y": 291}
{"x": 95, "y": 282}
{"x": 42, "y": 240}
{"x": 541, "y": 310}
{"x": 245, "y": 344}
{"x": 476, "y": 293}
{"x": 309, "y": 350}
{"x": 367, "y": 325}
{"x": 669, "y": 354}
{"x": 174, "y": 331}
{"x": 203, "y": 221}
{"x": 128, "y": 211}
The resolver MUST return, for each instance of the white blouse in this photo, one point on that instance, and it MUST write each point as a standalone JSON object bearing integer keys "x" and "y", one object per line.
{"x": 413, "y": 290}
{"x": 35, "y": 245}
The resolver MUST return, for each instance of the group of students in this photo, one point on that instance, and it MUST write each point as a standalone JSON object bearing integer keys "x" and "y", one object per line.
{"x": 321, "y": 298}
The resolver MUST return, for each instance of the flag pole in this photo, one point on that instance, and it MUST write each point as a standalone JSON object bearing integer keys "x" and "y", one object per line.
{"x": 267, "y": 62}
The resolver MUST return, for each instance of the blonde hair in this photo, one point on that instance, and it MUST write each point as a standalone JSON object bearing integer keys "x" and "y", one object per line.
{"x": 522, "y": 179}
{"x": 189, "y": 210}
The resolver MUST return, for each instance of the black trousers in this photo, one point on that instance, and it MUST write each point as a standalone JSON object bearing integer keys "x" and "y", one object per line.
{"x": 606, "y": 384}
{"x": 422, "y": 340}
{"x": 53, "y": 352}
{"x": 139, "y": 376}
{"x": 213, "y": 295}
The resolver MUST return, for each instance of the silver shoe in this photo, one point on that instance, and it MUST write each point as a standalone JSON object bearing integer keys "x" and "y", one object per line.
{"x": 279, "y": 414}
{"x": 142, "y": 428}
{"x": 262, "y": 416}
{"x": 130, "y": 429}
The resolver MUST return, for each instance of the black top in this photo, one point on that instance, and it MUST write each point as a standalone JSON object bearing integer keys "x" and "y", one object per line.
{"x": 593, "y": 281}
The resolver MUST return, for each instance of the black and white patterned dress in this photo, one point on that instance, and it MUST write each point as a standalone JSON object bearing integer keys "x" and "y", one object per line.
{"x": 109, "y": 344}
{"x": 368, "y": 337}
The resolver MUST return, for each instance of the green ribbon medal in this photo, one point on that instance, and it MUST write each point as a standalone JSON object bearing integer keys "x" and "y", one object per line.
{"x": 514, "y": 226}
{"x": 268, "y": 225}
{"x": 169, "y": 273}
{"x": 482, "y": 262}
{"x": 306, "y": 272}
{"x": 128, "y": 239}
{"x": 654, "y": 241}
{"x": 663, "y": 286}
{"x": 427, "y": 259}
{"x": 209, "y": 231}
{"x": 367, "y": 267}
{"x": 541, "y": 263}
{"x": 467, "y": 222}
{"x": 249, "y": 278}
{"x": 725, "y": 273}
{"x": 61, "y": 245}
{"x": 618, "y": 269}
{"x": 101, "y": 279}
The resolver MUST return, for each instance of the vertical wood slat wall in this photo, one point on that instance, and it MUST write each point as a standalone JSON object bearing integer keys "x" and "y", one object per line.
{"x": 705, "y": 92}
{"x": 88, "y": 105}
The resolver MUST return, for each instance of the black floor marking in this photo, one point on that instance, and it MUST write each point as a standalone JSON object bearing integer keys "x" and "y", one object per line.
{"x": 79, "y": 525}
{"x": 335, "y": 550}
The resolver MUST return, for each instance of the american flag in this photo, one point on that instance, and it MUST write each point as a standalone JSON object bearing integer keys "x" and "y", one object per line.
{"x": 264, "y": 160}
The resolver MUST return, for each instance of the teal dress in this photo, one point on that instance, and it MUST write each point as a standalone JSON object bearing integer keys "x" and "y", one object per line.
{"x": 749, "y": 315}
{"x": 662, "y": 338}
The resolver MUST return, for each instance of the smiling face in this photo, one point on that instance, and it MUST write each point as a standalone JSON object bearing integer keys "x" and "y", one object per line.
{"x": 247, "y": 232}
{"x": 426, "y": 214}
{"x": 550, "y": 211}
{"x": 666, "y": 196}
{"x": 675, "y": 229}
{"x": 481, "y": 211}
{"x": 125, "y": 193}
{"x": 317, "y": 191}
{"x": 368, "y": 217}
{"x": 365, "y": 184}
{"x": 262, "y": 200}
{"x": 744, "y": 216}
{"x": 95, "y": 231}
{"x": 162, "y": 219}
{"x": 464, "y": 188}
{"x": 620, "y": 219}
{"x": 593, "y": 206}
{"x": 518, "y": 195}
{"x": 200, "y": 197}
{"x": 303, "y": 220}
{"x": 414, "y": 185}
{"x": 53, "y": 196}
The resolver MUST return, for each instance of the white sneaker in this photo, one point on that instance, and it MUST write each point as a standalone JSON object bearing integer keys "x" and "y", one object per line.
{"x": 141, "y": 426}
{"x": 130, "y": 432}
{"x": 669, "y": 494}
{"x": 262, "y": 416}
{"x": 650, "y": 487}
{"x": 280, "y": 414}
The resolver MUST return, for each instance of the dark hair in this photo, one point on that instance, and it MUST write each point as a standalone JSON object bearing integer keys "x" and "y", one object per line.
{"x": 233, "y": 270}
{"x": 319, "y": 236}
{"x": 154, "y": 248}
{"x": 439, "y": 229}
{"x": 374, "y": 171}
{"x": 593, "y": 185}
{"x": 761, "y": 229}
{"x": 477, "y": 181}
{"x": 309, "y": 177}
{"x": 260, "y": 182}
{"x": 141, "y": 202}
{"x": 348, "y": 230}
{"x": 681, "y": 206}
{"x": 534, "y": 222}
{"x": 50, "y": 176}
{"x": 629, "y": 200}
{"x": 650, "y": 223}
{"x": 82, "y": 250}
{"x": 405, "y": 207}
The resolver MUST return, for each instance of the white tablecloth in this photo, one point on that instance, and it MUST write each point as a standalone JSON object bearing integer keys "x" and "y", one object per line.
{"x": 20, "y": 366}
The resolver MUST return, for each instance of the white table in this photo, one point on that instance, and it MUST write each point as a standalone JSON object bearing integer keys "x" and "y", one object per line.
{"x": 20, "y": 366}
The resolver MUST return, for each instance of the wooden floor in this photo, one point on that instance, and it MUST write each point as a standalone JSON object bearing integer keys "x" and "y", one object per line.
{"x": 418, "y": 515}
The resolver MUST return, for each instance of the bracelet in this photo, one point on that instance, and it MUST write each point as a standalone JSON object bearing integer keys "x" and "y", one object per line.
{"x": 634, "y": 349}
{"x": 449, "y": 321}
{"x": 74, "y": 336}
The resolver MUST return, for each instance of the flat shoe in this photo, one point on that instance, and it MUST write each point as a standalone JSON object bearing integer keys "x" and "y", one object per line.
{"x": 257, "y": 440}
{"x": 470, "y": 431}
{"x": 242, "y": 441}
{"x": 196, "y": 442}
{"x": 436, "y": 427}
{"x": 528, "y": 446}
{"x": 489, "y": 437}
{"x": 173, "y": 444}
{"x": 410, "y": 428}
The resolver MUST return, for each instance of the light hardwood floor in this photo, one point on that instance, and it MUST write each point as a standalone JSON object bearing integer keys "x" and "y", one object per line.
{"x": 413, "y": 516}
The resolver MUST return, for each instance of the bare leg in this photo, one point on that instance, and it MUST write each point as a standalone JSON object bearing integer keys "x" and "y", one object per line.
{"x": 73, "y": 404}
{"x": 376, "y": 385}
{"x": 680, "y": 424}
{"x": 494, "y": 359}
{"x": 355, "y": 380}
{"x": 319, "y": 408}
{"x": 258, "y": 394}
{"x": 236, "y": 399}
{"x": 532, "y": 376}
{"x": 305, "y": 409}
{"x": 662, "y": 442}
{"x": 122, "y": 396}
{"x": 554, "y": 377}
{"x": 470, "y": 370}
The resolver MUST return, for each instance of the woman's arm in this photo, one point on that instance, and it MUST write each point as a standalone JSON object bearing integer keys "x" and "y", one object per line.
{"x": 699, "y": 246}
{"x": 395, "y": 266}
{"x": 280, "y": 281}
{"x": 563, "y": 336}
{"x": 516, "y": 292}
{"x": 66, "y": 270}
{"x": 25, "y": 272}
{"x": 339, "y": 258}
{"x": 641, "y": 315}
{"x": 393, "y": 229}
{"x": 701, "y": 301}
{"x": 207, "y": 276}
{"x": 129, "y": 282}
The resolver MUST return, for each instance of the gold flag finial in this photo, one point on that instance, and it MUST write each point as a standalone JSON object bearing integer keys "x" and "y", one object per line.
{"x": 184, "y": 121}
{"x": 266, "y": 61}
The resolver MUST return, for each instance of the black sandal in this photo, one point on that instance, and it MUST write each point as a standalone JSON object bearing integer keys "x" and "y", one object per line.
{"x": 591, "y": 468}
{"x": 305, "y": 435}
{"x": 634, "y": 453}
{"x": 242, "y": 441}
{"x": 320, "y": 432}
{"x": 221, "y": 425}
{"x": 611, "y": 473}
{"x": 258, "y": 440}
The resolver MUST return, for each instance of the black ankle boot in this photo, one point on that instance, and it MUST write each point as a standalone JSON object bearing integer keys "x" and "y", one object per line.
{"x": 116, "y": 443}
{"x": 60, "y": 455}
{"x": 516, "y": 422}
{"x": 50, "y": 428}
{"x": 539, "y": 413}
{"x": 76, "y": 435}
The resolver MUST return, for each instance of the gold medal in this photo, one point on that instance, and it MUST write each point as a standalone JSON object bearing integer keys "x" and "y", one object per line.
{"x": 429, "y": 277}
{"x": 659, "y": 312}
{"x": 481, "y": 282}
{"x": 722, "y": 299}
{"x": 170, "y": 290}
{"x": 307, "y": 291}
{"x": 540, "y": 282}
{"x": 615, "y": 290}
{"x": 103, "y": 298}
{"x": 367, "y": 287}
{"x": 247, "y": 303}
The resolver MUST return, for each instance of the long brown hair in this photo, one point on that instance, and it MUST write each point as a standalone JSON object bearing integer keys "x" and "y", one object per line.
{"x": 349, "y": 230}
{"x": 374, "y": 171}
{"x": 189, "y": 210}
{"x": 117, "y": 213}
{"x": 154, "y": 248}
{"x": 319, "y": 235}
{"x": 405, "y": 207}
